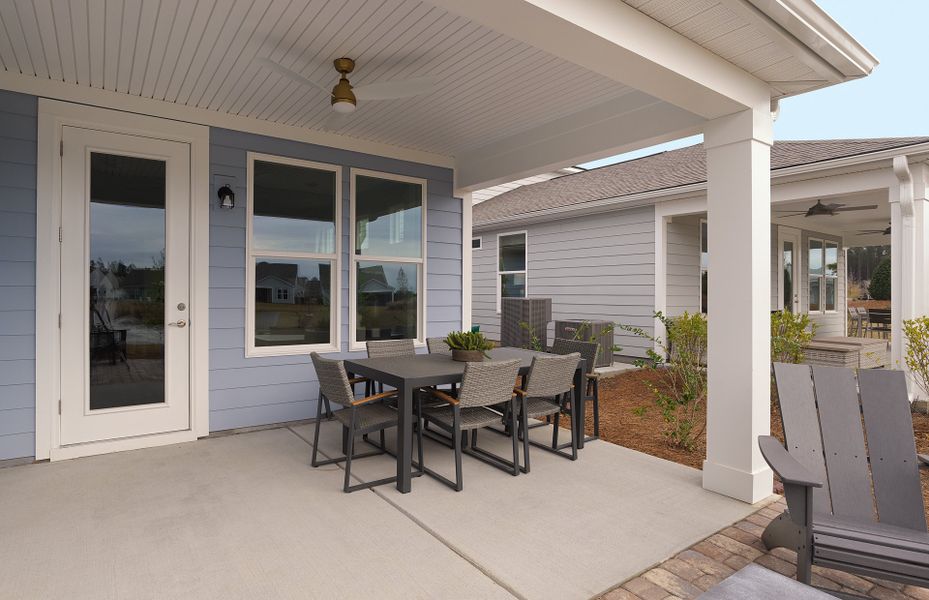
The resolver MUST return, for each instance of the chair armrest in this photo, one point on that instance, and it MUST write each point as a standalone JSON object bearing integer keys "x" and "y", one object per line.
{"x": 786, "y": 466}
{"x": 923, "y": 460}
{"x": 519, "y": 392}
{"x": 450, "y": 400}
{"x": 374, "y": 398}
{"x": 358, "y": 379}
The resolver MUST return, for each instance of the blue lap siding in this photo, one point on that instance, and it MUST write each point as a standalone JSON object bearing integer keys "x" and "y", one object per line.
{"x": 18, "y": 125}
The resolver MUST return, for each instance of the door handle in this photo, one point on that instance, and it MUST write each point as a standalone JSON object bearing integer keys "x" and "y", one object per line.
{"x": 179, "y": 323}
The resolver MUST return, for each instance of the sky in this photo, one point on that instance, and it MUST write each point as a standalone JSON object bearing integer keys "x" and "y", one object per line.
{"x": 891, "y": 102}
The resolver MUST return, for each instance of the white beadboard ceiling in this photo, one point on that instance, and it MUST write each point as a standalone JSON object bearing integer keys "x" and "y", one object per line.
{"x": 201, "y": 53}
{"x": 713, "y": 25}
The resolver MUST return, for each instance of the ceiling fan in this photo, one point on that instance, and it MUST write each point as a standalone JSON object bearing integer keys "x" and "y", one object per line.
{"x": 885, "y": 231}
{"x": 819, "y": 209}
{"x": 344, "y": 98}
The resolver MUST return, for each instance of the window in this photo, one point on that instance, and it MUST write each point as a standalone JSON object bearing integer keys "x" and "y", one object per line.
{"x": 511, "y": 266}
{"x": 476, "y": 243}
{"x": 292, "y": 229}
{"x": 824, "y": 274}
{"x": 388, "y": 250}
{"x": 704, "y": 265}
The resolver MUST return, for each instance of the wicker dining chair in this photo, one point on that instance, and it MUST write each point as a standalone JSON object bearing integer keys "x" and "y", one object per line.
{"x": 438, "y": 346}
{"x": 549, "y": 390}
{"x": 589, "y": 352}
{"x": 388, "y": 349}
{"x": 360, "y": 415}
{"x": 483, "y": 385}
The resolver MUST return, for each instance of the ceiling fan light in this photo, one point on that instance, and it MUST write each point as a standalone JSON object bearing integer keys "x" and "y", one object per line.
{"x": 343, "y": 106}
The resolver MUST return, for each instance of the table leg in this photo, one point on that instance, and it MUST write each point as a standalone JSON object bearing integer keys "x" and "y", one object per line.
{"x": 578, "y": 408}
{"x": 404, "y": 437}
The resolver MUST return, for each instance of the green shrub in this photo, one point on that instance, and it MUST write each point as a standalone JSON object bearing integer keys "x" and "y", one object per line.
{"x": 681, "y": 387}
{"x": 916, "y": 332}
{"x": 535, "y": 343}
{"x": 880, "y": 281}
{"x": 789, "y": 333}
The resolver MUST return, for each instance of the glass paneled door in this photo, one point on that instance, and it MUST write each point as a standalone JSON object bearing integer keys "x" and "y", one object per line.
{"x": 788, "y": 270}
{"x": 124, "y": 286}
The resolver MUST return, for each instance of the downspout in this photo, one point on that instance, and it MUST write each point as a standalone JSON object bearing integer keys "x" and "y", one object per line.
{"x": 904, "y": 278}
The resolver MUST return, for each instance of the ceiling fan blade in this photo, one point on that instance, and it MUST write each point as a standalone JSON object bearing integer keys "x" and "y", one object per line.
{"x": 848, "y": 208}
{"x": 293, "y": 75}
{"x": 794, "y": 214}
{"x": 393, "y": 90}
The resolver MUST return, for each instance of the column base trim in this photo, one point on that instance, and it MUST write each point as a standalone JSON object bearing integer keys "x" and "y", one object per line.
{"x": 741, "y": 485}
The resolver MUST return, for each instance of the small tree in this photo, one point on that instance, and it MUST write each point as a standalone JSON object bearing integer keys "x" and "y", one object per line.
{"x": 682, "y": 388}
{"x": 916, "y": 332}
{"x": 789, "y": 334}
{"x": 880, "y": 281}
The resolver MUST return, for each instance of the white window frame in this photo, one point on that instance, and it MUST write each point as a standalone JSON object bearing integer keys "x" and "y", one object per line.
{"x": 822, "y": 278}
{"x": 251, "y": 253}
{"x": 420, "y": 341}
{"x": 700, "y": 263}
{"x": 480, "y": 243}
{"x": 524, "y": 272}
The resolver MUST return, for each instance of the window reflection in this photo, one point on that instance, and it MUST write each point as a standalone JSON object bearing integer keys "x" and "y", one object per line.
{"x": 388, "y": 217}
{"x": 126, "y": 281}
{"x": 292, "y": 301}
{"x": 293, "y": 208}
{"x": 387, "y": 300}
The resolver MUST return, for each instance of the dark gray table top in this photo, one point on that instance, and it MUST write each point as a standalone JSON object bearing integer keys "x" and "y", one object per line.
{"x": 428, "y": 369}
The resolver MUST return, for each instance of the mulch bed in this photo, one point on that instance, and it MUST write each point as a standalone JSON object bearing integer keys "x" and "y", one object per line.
{"x": 630, "y": 418}
{"x": 873, "y": 304}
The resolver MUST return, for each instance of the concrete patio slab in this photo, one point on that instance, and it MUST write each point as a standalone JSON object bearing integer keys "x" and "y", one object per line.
{"x": 241, "y": 516}
{"x": 565, "y": 530}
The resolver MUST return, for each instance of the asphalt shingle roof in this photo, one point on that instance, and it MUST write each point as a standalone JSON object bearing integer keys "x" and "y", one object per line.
{"x": 665, "y": 170}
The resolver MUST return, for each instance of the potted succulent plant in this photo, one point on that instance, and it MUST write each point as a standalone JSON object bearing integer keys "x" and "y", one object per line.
{"x": 468, "y": 346}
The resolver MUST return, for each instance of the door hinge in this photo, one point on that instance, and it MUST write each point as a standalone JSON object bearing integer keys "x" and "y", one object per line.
{"x": 59, "y": 235}
{"x": 59, "y": 406}
{"x": 59, "y": 320}
{"x": 61, "y": 148}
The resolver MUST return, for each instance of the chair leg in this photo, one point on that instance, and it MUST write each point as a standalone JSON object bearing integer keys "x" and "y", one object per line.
{"x": 555, "y": 430}
{"x": 596, "y": 397}
{"x": 319, "y": 416}
{"x": 349, "y": 451}
{"x": 419, "y": 435}
{"x": 456, "y": 435}
{"x": 524, "y": 425}
{"x": 513, "y": 437}
{"x": 574, "y": 436}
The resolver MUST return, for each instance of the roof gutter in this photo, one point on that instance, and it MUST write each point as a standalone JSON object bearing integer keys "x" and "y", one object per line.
{"x": 819, "y": 32}
{"x": 684, "y": 191}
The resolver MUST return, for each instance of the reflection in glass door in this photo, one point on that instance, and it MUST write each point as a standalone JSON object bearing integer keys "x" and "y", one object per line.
{"x": 125, "y": 264}
{"x": 127, "y": 281}
{"x": 788, "y": 275}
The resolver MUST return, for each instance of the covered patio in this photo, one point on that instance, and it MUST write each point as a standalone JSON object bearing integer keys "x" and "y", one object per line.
{"x": 245, "y": 516}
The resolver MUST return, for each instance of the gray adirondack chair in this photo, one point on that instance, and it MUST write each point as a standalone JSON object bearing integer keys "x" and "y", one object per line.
{"x": 854, "y": 500}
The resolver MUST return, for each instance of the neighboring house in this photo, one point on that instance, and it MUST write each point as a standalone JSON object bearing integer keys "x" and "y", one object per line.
{"x": 372, "y": 282}
{"x": 275, "y": 283}
{"x": 625, "y": 240}
{"x": 488, "y": 193}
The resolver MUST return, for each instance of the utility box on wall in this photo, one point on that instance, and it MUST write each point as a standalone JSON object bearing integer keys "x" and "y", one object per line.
{"x": 535, "y": 313}
{"x": 597, "y": 331}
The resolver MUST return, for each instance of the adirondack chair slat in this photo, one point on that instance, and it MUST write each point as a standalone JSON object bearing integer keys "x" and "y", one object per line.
{"x": 873, "y": 565}
{"x": 894, "y": 467}
{"x": 801, "y": 426}
{"x": 843, "y": 439}
{"x": 912, "y": 562}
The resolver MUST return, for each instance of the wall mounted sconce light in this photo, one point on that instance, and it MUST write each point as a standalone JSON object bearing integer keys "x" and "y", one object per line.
{"x": 226, "y": 197}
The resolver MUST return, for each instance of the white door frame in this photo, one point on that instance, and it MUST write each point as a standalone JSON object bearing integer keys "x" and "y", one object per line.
{"x": 796, "y": 236}
{"x": 53, "y": 115}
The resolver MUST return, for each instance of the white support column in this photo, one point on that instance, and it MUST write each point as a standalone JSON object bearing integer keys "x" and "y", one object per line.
{"x": 738, "y": 149}
{"x": 902, "y": 257}
{"x": 466, "y": 252}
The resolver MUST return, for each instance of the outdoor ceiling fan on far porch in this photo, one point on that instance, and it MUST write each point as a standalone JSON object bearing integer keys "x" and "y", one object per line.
{"x": 344, "y": 97}
{"x": 824, "y": 210}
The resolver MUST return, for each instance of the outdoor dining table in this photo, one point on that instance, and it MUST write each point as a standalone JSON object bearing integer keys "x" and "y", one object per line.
{"x": 410, "y": 373}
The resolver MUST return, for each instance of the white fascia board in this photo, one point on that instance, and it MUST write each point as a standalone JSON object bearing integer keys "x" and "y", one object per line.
{"x": 627, "y": 123}
{"x": 69, "y": 92}
{"x": 805, "y": 21}
{"x": 619, "y": 42}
